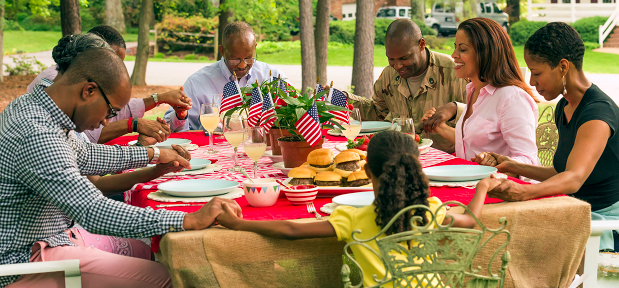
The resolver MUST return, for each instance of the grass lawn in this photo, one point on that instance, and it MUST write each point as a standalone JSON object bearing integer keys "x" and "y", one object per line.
{"x": 36, "y": 41}
{"x": 132, "y": 58}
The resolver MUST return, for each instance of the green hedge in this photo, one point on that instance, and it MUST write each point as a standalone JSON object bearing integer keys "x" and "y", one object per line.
{"x": 588, "y": 28}
{"x": 344, "y": 31}
{"x": 520, "y": 31}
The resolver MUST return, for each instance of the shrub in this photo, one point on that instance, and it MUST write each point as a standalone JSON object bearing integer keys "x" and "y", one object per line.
{"x": 592, "y": 45}
{"x": 37, "y": 22}
{"x": 10, "y": 25}
{"x": 433, "y": 42}
{"x": 520, "y": 31}
{"x": 171, "y": 26}
{"x": 266, "y": 47}
{"x": 203, "y": 58}
{"x": 173, "y": 57}
{"x": 191, "y": 57}
{"x": 588, "y": 28}
{"x": 159, "y": 55}
{"x": 344, "y": 31}
{"x": 25, "y": 65}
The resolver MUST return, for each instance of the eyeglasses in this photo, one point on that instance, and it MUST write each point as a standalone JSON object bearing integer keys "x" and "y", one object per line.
{"x": 111, "y": 113}
{"x": 235, "y": 62}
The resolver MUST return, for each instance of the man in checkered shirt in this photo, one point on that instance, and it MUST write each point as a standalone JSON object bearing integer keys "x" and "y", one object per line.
{"x": 43, "y": 192}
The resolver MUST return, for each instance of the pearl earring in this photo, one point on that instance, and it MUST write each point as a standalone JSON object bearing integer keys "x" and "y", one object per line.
{"x": 564, "y": 89}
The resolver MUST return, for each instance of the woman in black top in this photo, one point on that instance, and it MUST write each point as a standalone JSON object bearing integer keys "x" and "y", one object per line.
{"x": 586, "y": 163}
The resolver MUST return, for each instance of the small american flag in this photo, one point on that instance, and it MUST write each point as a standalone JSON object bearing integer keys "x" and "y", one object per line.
{"x": 255, "y": 108}
{"x": 338, "y": 98}
{"x": 318, "y": 90}
{"x": 309, "y": 126}
{"x": 267, "y": 111}
{"x": 232, "y": 96}
{"x": 284, "y": 87}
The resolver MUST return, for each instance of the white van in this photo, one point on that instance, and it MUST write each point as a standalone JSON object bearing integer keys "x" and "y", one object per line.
{"x": 445, "y": 17}
{"x": 394, "y": 12}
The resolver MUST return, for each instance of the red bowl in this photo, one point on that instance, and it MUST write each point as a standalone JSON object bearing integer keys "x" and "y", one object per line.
{"x": 301, "y": 194}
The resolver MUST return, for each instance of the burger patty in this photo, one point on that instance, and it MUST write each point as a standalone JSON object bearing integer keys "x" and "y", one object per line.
{"x": 322, "y": 166}
{"x": 328, "y": 183}
{"x": 302, "y": 181}
{"x": 348, "y": 166}
{"x": 358, "y": 183}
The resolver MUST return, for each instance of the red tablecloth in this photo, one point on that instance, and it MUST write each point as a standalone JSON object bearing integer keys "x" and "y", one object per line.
{"x": 283, "y": 210}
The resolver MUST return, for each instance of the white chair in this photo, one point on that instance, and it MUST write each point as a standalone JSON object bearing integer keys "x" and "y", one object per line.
{"x": 592, "y": 255}
{"x": 71, "y": 268}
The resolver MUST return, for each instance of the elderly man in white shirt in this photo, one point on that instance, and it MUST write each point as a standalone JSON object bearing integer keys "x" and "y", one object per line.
{"x": 238, "y": 49}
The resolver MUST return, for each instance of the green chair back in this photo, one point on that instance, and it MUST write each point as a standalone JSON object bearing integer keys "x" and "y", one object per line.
{"x": 432, "y": 255}
{"x": 547, "y": 136}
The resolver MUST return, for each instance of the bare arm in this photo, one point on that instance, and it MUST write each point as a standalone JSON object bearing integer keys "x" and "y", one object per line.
{"x": 589, "y": 145}
{"x": 277, "y": 229}
{"x": 117, "y": 183}
{"x": 476, "y": 204}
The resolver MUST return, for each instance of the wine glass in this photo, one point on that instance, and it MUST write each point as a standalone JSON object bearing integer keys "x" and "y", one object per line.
{"x": 352, "y": 129}
{"x": 404, "y": 125}
{"x": 209, "y": 118}
{"x": 255, "y": 144}
{"x": 234, "y": 132}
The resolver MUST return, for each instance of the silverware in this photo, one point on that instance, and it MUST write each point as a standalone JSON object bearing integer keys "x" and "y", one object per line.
{"x": 312, "y": 209}
{"x": 176, "y": 205}
{"x": 247, "y": 176}
{"x": 282, "y": 183}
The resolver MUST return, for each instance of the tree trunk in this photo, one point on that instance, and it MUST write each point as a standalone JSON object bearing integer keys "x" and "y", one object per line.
{"x": 418, "y": 8}
{"x": 321, "y": 37}
{"x": 513, "y": 10}
{"x": 225, "y": 15}
{"x": 70, "y": 17}
{"x": 363, "y": 61}
{"x": 114, "y": 15}
{"x": 1, "y": 40}
{"x": 308, "y": 53}
{"x": 138, "y": 77}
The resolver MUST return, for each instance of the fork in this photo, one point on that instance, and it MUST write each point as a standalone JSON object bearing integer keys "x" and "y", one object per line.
{"x": 312, "y": 209}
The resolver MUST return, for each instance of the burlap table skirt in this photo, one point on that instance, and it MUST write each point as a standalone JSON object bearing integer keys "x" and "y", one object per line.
{"x": 548, "y": 241}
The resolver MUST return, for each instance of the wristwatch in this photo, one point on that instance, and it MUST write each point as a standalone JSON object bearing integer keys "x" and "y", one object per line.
{"x": 155, "y": 155}
{"x": 154, "y": 96}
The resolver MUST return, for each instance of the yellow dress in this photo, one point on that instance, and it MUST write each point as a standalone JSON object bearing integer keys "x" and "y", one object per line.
{"x": 346, "y": 219}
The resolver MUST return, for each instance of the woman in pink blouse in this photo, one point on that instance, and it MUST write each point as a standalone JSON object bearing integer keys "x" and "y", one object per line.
{"x": 501, "y": 112}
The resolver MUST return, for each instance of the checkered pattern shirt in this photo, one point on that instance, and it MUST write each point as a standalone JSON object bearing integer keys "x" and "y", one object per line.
{"x": 42, "y": 190}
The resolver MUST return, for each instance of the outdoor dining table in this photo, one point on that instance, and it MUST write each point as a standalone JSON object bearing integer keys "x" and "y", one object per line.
{"x": 548, "y": 236}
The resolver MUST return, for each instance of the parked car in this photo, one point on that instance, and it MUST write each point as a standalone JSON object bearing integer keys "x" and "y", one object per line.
{"x": 394, "y": 12}
{"x": 445, "y": 17}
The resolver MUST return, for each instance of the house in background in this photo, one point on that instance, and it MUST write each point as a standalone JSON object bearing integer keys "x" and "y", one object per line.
{"x": 346, "y": 9}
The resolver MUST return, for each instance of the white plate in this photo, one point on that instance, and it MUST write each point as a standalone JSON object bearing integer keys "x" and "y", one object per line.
{"x": 197, "y": 188}
{"x": 280, "y": 166}
{"x": 423, "y": 147}
{"x": 360, "y": 199}
{"x": 275, "y": 158}
{"x": 330, "y": 191}
{"x": 339, "y": 133}
{"x": 458, "y": 172}
{"x": 374, "y": 126}
{"x": 197, "y": 164}
{"x": 167, "y": 144}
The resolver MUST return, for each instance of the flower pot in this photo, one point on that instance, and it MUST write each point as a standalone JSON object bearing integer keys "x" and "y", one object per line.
{"x": 295, "y": 152}
{"x": 274, "y": 134}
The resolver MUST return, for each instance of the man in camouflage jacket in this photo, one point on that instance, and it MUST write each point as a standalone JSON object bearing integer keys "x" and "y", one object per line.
{"x": 392, "y": 96}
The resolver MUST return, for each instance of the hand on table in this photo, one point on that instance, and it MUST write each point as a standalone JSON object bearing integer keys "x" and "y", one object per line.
{"x": 229, "y": 216}
{"x": 486, "y": 159}
{"x": 156, "y": 129}
{"x": 165, "y": 168}
{"x": 508, "y": 190}
{"x": 434, "y": 117}
{"x": 207, "y": 214}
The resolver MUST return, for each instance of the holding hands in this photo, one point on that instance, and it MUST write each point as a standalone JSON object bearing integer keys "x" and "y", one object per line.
{"x": 217, "y": 209}
{"x": 157, "y": 130}
{"x": 178, "y": 101}
{"x": 436, "y": 118}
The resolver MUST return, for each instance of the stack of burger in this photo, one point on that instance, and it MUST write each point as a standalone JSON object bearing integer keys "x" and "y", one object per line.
{"x": 325, "y": 169}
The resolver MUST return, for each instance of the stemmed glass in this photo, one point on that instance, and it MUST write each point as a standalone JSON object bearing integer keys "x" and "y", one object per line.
{"x": 255, "y": 144}
{"x": 352, "y": 130}
{"x": 234, "y": 132}
{"x": 404, "y": 125}
{"x": 209, "y": 118}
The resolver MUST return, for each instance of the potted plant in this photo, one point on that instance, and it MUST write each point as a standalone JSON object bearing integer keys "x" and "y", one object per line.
{"x": 290, "y": 106}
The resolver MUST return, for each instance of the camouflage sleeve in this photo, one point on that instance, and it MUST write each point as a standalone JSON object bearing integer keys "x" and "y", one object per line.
{"x": 374, "y": 109}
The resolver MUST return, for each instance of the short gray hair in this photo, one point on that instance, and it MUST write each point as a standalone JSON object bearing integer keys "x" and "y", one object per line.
{"x": 72, "y": 45}
{"x": 236, "y": 29}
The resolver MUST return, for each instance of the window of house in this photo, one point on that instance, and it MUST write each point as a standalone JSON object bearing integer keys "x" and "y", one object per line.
{"x": 349, "y": 15}
{"x": 482, "y": 7}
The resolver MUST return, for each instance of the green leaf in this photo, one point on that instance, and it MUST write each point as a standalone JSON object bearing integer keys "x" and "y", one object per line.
{"x": 300, "y": 112}
{"x": 292, "y": 101}
{"x": 331, "y": 107}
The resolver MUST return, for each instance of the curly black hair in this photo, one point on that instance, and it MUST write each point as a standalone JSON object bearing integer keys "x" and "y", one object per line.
{"x": 556, "y": 41}
{"x": 72, "y": 45}
{"x": 392, "y": 156}
{"x": 110, "y": 35}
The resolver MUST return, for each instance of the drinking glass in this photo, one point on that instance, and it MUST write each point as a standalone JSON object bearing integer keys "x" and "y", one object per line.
{"x": 209, "y": 118}
{"x": 351, "y": 131}
{"x": 404, "y": 125}
{"x": 234, "y": 132}
{"x": 255, "y": 144}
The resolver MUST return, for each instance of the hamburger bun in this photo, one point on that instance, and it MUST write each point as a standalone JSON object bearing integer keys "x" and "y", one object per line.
{"x": 320, "y": 160}
{"x": 359, "y": 179}
{"x": 356, "y": 176}
{"x": 301, "y": 172}
{"x": 347, "y": 156}
{"x": 346, "y": 163}
{"x": 362, "y": 154}
{"x": 328, "y": 178}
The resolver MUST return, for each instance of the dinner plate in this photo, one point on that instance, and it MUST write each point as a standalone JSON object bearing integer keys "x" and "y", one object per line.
{"x": 458, "y": 172}
{"x": 197, "y": 187}
{"x": 330, "y": 191}
{"x": 275, "y": 158}
{"x": 167, "y": 144}
{"x": 197, "y": 164}
{"x": 360, "y": 199}
{"x": 280, "y": 166}
{"x": 423, "y": 147}
{"x": 338, "y": 132}
{"x": 374, "y": 126}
